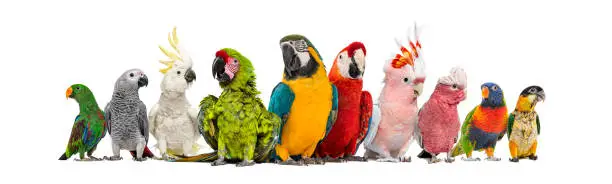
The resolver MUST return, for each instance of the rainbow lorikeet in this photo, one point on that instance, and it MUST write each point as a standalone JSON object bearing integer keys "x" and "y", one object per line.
{"x": 524, "y": 124}
{"x": 484, "y": 125}
{"x": 89, "y": 126}
{"x": 354, "y": 106}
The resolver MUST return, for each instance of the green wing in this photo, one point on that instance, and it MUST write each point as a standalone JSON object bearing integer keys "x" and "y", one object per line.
{"x": 510, "y": 124}
{"x": 76, "y": 137}
{"x": 467, "y": 122}
{"x": 538, "y": 123}
{"x": 208, "y": 129}
{"x": 268, "y": 133}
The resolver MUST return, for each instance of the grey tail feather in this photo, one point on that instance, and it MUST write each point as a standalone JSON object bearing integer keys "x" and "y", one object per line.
{"x": 63, "y": 157}
{"x": 205, "y": 157}
{"x": 424, "y": 154}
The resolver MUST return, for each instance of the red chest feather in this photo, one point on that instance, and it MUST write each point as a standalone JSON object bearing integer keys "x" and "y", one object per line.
{"x": 492, "y": 120}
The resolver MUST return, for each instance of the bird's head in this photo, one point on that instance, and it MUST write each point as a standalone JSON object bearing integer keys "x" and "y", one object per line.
{"x": 529, "y": 97}
{"x": 492, "y": 95}
{"x": 301, "y": 58}
{"x": 350, "y": 62}
{"x": 232, "y": 69}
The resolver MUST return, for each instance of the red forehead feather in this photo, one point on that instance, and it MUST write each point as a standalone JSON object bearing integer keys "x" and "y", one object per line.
{"x": 222, "y": 54}
{"x": 354, "y": 46}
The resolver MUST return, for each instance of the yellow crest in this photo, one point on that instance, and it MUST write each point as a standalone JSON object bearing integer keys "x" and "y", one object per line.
{"x": 172, "y": 56}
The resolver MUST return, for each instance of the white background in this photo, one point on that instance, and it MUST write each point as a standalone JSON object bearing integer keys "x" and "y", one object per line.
{"x": 562, "y": 46}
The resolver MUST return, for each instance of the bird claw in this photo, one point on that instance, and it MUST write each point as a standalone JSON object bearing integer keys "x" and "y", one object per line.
{"x": 312, "y": 161}
{"x": 405, "y": 159}
{"x": 355, "y": 158}
{"x": 470, "y": 159}
{"x": 533, "y": 157}
{"x": 113, "y": 158}
{"x": 140, "y": 159}
{"x": 245, "y": 163}
{"x": 290, "y": 162}
{"x": 433, "y": 160}
{"x": 493, "y": 159}
{"x": 330, "y": 159}
{"x": 514, "y": 160}
{"x": 218, "y": 162}
{"x": 92, "y": 158}
{"x": 449, "y": 160}
{"x": 387, "y": 160}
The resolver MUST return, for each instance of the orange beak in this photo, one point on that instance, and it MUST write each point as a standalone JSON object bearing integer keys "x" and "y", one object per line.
{"x": 68, "y": 92}
{"x": 485, "y": 92}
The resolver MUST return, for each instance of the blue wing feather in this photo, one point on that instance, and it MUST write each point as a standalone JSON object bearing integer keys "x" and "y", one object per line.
{"x": 280, "y": 103}
{"x": 331, "y": 119}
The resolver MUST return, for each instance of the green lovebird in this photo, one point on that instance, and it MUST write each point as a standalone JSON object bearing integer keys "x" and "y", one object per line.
{"x": 236, "y": 124}
{"x": 89, "y": 126}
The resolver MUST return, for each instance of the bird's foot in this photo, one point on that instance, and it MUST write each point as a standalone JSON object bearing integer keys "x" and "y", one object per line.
{"x": 312, "y": 161}
{"x": 433, "y": 160}
{"x": 470, "y": 159}
{"x": 113, "y": 158}
{"x": 245, "y": 163}
{"x": 514, "y": 160}
{"x": 83, "y": 159}
{"x": 405, "y": 159}
{"x": 355, "y": 158}
{"x": 95, "y": 158}
{"x": 218, "y": 162}
{"x": 492, "y": 158}
{"x": 140, "y": 159}
{"x": 533, "y": 157}
{"x": 387, "y": 160}
{"x": 290, "y": 162}
{"x": 449, "y": 160}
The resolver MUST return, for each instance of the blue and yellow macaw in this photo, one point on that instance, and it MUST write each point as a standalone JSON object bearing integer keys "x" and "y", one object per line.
{"x": 305, "y": 100}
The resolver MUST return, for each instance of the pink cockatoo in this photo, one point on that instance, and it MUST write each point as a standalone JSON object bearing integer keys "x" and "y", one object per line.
{"x": 439, "y": 124}
{"x": 395, "y": 115}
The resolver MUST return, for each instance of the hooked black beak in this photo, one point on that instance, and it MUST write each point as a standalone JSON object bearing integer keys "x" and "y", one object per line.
{"x": 143, "y": 81}
{"x": 290, "y": 58}
{"x": 190, "y": 76}
{"x": 353, "y": 69}
{"x": 218, "y": 70}
{"x": 541, "y": 96}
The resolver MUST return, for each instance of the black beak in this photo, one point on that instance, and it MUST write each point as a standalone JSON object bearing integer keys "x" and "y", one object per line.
{"x": 290, "y": 58}
{"x": 218, "y": 70}
{"x": 143, "y": 81}
{"x": 190, "y": 76}
{"x": 541, "y": 96}
{"x": 353, "y": 69}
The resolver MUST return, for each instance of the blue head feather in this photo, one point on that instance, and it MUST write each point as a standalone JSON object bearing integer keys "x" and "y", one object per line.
{"x": 496, "y": 96}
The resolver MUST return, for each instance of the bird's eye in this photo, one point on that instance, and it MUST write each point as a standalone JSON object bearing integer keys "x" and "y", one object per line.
{"x": 178, "y": 72}
{"x": 131, "y": 74}
{"x": 291, "y": 42}
{"x": 454, "y": 86}
{"x": 532, "y": 90}
{"x": 235, "y": 61}
{"x": 406, "y": 80}
{"x": 78, "y": 88}
{"x": 494, "y": 88}
{"x": 340, "y": 56}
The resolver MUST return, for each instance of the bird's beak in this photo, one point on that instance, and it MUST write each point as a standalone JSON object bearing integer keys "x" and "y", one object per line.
{"x": 485, "y": 92}
{"x": 190, "y": 76}
{"x": 218, "y": 70}
{"x": 541, "y": 96}
{"x": 353, "y": 69}
{"x": 69, "y": 93}
{"x": 290, "y": 57}
{"x": 143, "y": 81}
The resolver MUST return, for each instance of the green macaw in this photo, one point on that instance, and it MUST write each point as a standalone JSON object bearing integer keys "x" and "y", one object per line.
{"x": 89, "y": 126}
{"x": 237, "y": 124}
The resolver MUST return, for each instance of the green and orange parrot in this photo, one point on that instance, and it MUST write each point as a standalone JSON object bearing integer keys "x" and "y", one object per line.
{"x": 524, "y": 125}
{"x": 484, "y": 125}
{"x": 89, "y": 126}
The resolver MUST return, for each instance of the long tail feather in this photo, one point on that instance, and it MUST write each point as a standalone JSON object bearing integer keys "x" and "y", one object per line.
{"x": 206, "y": 157}
{"x": 457, "y": 150}
{"x": 146, "y": 153}
{"x": 63, "y": 157}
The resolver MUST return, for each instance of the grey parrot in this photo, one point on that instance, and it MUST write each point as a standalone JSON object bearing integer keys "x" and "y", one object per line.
{"x": 126, "y": 116}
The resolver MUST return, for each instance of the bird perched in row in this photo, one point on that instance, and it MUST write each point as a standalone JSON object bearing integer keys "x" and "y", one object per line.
{"x": 395, "y": 116}
{"x": 354, "y": 106}
{"x": 524, "y": 124}
{"x": 439, "y": 119}
{"x": 172, "y": 121}
{"x": 484, "y": 125}
{"x": 236, "y": 125}
{"x": 89, "y": 126}
{"x": 126, "y": 116}
{"x": 305, "y": 100}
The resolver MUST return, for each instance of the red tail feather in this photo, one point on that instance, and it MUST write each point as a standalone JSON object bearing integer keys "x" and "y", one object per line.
{"x": 146, "y": 153}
